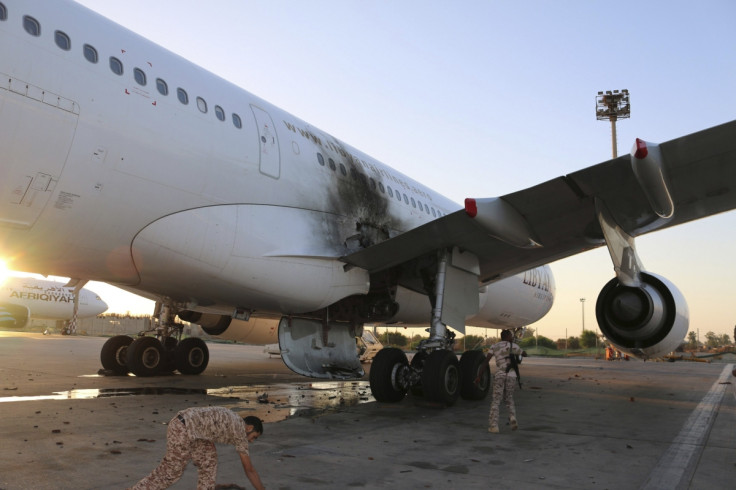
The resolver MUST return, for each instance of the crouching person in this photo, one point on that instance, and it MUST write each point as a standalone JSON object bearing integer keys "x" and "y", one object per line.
{"x": 191, "y": 436}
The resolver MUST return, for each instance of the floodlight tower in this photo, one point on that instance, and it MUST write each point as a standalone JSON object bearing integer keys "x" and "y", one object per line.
{"x": 613, "y": 106}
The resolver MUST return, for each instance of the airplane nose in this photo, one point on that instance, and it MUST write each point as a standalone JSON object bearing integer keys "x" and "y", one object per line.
{"x": 102, "y": 305}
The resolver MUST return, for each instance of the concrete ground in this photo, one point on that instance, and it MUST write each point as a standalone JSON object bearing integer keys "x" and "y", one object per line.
{"x": 583, "y": 424}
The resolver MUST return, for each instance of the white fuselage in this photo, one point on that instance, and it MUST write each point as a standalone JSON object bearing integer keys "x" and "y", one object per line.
{"x": 221, "y": 202}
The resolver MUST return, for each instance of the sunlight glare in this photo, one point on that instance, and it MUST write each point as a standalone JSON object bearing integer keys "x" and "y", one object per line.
{"x": 4, "y": 272}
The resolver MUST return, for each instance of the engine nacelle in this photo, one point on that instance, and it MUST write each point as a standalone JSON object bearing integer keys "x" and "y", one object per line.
{"x": 211, "y": 323}
{"x": 647, "y": 321}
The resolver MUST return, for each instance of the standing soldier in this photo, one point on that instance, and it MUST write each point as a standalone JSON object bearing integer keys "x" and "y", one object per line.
{"x": 191, "y": 436}
{"x": 505, "y": 378}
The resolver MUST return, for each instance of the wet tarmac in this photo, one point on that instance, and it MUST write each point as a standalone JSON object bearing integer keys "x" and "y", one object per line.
{"x": 583, "y": 424}
{"x": 282, "y": 400}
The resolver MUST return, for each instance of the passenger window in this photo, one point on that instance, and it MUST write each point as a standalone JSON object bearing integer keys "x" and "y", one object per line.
{"x": 390, "y": 191}
{"x": 116, "y": 65}
{"x": 90, "y": 53}
{"x": 140, "y": 76}
{"x": 413, "y": 203}
{"x": 343, "y": 170}
{"x": 182, "y": 96}
{"x": 406, "y": 199}
{"x": 331, "y": 162}
{"x": 202, "y": 105}
{"x": 433, "y": 213}
{"x": 382, "y": 189}
{"x": 398, "y": 195}
{"x": 373, "y": 184}
{"x": 219, "y": 113}
{"x": 3, "y": 12}
{"x": 31, "y": 26}
{"x": 321, "y": 159}
{"x": 419, "y": 203}
{"x": 62, "y": 40}
{"x": 162, "y": 87}
{"x": 237, "y": 122}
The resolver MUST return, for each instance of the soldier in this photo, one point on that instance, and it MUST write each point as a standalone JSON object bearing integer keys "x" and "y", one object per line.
{"x": 505, "y": 379}
{"x": 191, "y": 436}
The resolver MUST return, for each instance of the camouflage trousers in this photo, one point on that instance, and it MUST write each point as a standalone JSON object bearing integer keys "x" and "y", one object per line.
{"x": 503, "y": 388}
{"x": 179, "y": 450}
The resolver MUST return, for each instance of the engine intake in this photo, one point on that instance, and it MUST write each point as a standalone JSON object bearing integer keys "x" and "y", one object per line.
{"x": 647, "y": 321}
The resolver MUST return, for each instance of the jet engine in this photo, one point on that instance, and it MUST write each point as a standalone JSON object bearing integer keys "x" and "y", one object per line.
{"x": 646, "y": 321}
{"x": 211, "y": 323}
{"x": 255, "y": 331}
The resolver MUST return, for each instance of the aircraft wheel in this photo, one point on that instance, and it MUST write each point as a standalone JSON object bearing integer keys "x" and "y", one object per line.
{"x": 192, "y": 356}
{"x": 473, "y": 365}
{"x": 417, "y": 363}
{"x": 114, "y": 352}
{"x": 441, "y": 377}
{"x": 388, "y": 375}
{"x": 145, "y": 356}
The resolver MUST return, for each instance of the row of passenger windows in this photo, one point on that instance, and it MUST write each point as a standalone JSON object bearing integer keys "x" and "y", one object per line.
{"x": 62, "y": 40}
{"x": 372, "y": 183}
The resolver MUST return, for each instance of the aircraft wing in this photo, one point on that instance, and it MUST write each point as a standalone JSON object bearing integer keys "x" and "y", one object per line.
{"x": 696, "y": 177}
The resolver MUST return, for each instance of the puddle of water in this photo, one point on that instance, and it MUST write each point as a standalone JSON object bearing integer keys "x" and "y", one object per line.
{"x": 270, "y": 402}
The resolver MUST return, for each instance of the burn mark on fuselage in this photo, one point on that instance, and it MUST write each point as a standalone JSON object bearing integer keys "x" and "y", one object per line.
{"x": 358, "y": 202}
{"x": 358, "y": 199}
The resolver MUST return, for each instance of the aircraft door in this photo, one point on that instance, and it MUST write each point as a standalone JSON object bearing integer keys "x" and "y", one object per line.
{"x": 270, "y": 158}
{"x": 36, "y": 132}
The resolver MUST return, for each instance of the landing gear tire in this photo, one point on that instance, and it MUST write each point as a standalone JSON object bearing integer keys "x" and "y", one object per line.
{"x": 113, "y": 354}
{"x": 441, "y": 377}
{"x": 192, "y": 356}
{"x": 145, "y": 356}
{"x": 473, "y": 365}
{"x": 389, "y": 374}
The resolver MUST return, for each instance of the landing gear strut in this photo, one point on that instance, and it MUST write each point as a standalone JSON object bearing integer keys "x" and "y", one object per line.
{"x": 161, "y": 353}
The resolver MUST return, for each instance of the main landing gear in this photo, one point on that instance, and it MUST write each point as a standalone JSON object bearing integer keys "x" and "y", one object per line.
{"x": 438, "y": 376}
{"x": 160, "y": 354}
{"x": 435, "y": 371}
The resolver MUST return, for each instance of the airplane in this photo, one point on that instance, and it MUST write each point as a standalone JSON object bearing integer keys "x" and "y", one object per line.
{"x": 23, "y": 298}
{"x": 167, "y": 181}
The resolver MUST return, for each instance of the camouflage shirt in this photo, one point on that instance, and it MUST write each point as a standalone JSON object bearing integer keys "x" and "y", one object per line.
{"x": 216, "y": 424}
{"x": 501, "y": 351}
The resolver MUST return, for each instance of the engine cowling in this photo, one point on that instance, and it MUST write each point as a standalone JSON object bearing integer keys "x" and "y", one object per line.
{"x": 255, "y": 331}
{"x": 647, "y": 321}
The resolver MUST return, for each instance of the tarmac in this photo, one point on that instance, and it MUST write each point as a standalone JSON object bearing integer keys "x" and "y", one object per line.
{"x": 584, "y": 423}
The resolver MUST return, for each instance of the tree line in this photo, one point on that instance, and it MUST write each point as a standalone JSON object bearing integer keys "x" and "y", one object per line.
{"x": 588, "y": 339}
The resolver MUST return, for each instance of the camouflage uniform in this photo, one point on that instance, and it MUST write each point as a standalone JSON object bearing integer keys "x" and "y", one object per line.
{"x": 504, "y": 383}
{"x": 191, "y": 436}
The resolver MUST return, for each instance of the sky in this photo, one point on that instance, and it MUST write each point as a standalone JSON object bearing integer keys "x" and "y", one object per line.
{"x": 484, "y": 98}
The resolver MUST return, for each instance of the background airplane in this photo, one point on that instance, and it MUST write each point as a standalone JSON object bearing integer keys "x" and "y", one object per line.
{"x": 24, "y": 298}
{"x": 260, "y": 227}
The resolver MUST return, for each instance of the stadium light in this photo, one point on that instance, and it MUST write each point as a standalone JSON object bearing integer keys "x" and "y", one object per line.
{"x": 613, "y": 105}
